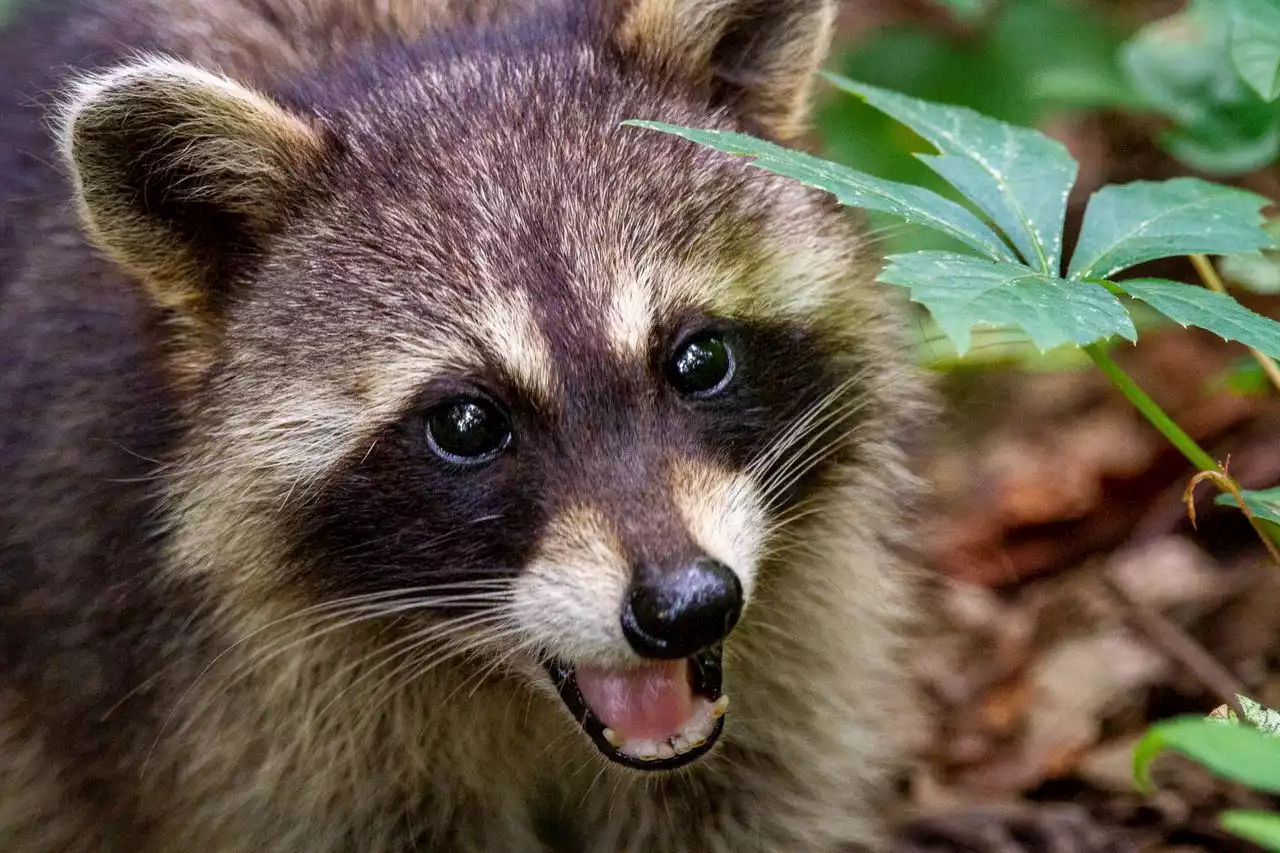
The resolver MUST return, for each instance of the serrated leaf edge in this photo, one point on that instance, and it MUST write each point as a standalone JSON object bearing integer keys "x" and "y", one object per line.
{"x": 1043, "y": 255}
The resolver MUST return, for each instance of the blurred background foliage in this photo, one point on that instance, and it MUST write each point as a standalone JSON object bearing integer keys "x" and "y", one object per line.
{"x": 1137, "y": 89}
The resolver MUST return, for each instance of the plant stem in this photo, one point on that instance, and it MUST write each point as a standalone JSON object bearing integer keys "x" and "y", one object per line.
{"x": 1196, "y": 455}
{"x": 1213, "y": 281}
{"x": 1152, "y": 411}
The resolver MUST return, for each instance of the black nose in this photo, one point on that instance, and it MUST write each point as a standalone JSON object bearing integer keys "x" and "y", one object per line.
{"x": 675, "y": 614}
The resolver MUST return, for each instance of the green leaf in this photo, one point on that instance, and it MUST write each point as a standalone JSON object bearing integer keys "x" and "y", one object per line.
{"x": 1181, "y": 65}
{"x": 962, "y": 292}
{"x": 915, "y": 204}
{"x": 1262, "y": 828}
{"x": 1018, "y": 177}
{"x": 1189, "y": 305}
{"x": 1234, "y": 752}
{"x": 1255, "y": 45}
{"x": 1133, "y": 223}
{"x": 1264, "y": 719}
{"x": 1264, "y": 503}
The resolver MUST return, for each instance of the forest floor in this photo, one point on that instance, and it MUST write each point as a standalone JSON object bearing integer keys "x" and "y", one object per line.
{"x": 1076, "y": 604}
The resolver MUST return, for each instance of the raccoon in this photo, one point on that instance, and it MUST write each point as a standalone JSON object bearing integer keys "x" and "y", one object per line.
{"x": 400, "y": 452}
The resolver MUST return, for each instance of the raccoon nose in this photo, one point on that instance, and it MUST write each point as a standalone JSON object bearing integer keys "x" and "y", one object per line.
{"x": 675, "y": 614}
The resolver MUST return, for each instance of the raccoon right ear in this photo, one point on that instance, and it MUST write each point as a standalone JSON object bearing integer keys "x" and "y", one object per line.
{"x": 180, "y": 174}
{"x": 758, "y": 55}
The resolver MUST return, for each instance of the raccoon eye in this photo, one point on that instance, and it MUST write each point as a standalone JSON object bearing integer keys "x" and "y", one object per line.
{"x": 467, "y": 432}
{"x": 702, "y": 366}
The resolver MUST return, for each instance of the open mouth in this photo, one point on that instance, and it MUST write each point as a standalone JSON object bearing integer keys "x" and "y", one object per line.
{"x": 657, "y": 716}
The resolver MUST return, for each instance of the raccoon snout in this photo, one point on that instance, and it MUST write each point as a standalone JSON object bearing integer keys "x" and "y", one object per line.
{"x": 675, "y": 614}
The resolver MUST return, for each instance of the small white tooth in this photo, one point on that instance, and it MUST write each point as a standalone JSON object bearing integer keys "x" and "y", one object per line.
{"x": 645, "y": 750}
{"x": 721, "y": 705}
{"x": 693, "y": 741}
{"x": 615, "y": 740}
{"x": 665, "y": 750}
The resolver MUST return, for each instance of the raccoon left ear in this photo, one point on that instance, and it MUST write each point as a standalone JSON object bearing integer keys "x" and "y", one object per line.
{"x": 762, "y": 54}
{"x": 181, "y": 174}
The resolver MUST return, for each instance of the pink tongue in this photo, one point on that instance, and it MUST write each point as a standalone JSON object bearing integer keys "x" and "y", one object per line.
{"x": 651, "y": 702}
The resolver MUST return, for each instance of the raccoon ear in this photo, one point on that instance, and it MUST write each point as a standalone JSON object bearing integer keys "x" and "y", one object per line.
{"x": 180, "y": 174}
{"x": 761, "y": 54}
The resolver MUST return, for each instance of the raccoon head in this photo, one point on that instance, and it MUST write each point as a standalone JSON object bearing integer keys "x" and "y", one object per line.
{"x": 457, "y": 347}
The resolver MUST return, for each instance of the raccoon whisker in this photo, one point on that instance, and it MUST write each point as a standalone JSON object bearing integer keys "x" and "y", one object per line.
{"x": 289, "y": 493}
{"x": 547, "y": 748}
{"x": 789, "y": 433}
{"x": 788, "y": 548}
{"x": 816, "y": 448}
{"x": 587, "y": 763}
{"x": 315, "y": 480}
{"x": 835, "y": 406}
{"x": 384, "y": 657}
{"x": 613, "y": 798}
{"x": 119, "y": 445}
{"x": 523, "y": 645}
{"x": 245, "y": 670}
{"x": 888, "y": 230}
{"x": 779, "y": 443}
{"x": 812, "y": 432}
{"x": 415, "y": 639}
{"x": 479, "y": 678}
{"x": 434, "y": 657}
{"x": 254, "y": 664}
{"x": 182, "y": 698}
{"x": 582, "y": 801}
{"x": 830, "y": 418}
{"x": 464, "y": 599}
{"x": 407, "y": 591}
{"x": 794, "y": 548}
{"x": 365, "y": 548}
{"x": 811, "y": 461}
{"x": 350, "y": 685}
{"x": 325, "y": 606}
{"x": 391, "y": 685}
{"x": 780, "y": 479}
{"x": 834, "y": 419}
{"x": 369, "y": 601}
{"x": 430, "y": 632}
{"x": 310, "y": 482}
{"x": 812, "y": 424}
{"x": 483, "y": 627}
{"x": 778, "y": 525}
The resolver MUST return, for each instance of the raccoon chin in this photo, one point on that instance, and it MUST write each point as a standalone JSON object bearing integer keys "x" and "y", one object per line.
{"x": 660, "y": 715}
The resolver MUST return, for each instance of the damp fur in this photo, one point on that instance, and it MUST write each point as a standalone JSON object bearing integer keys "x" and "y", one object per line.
{"x": 242, "y": 243}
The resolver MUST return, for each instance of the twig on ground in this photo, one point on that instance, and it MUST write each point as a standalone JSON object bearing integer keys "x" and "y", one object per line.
{"x": 1181, "y": 647}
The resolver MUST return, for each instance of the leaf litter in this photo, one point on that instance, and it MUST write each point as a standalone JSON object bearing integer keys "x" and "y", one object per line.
{"x": 1076, "y": 605}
